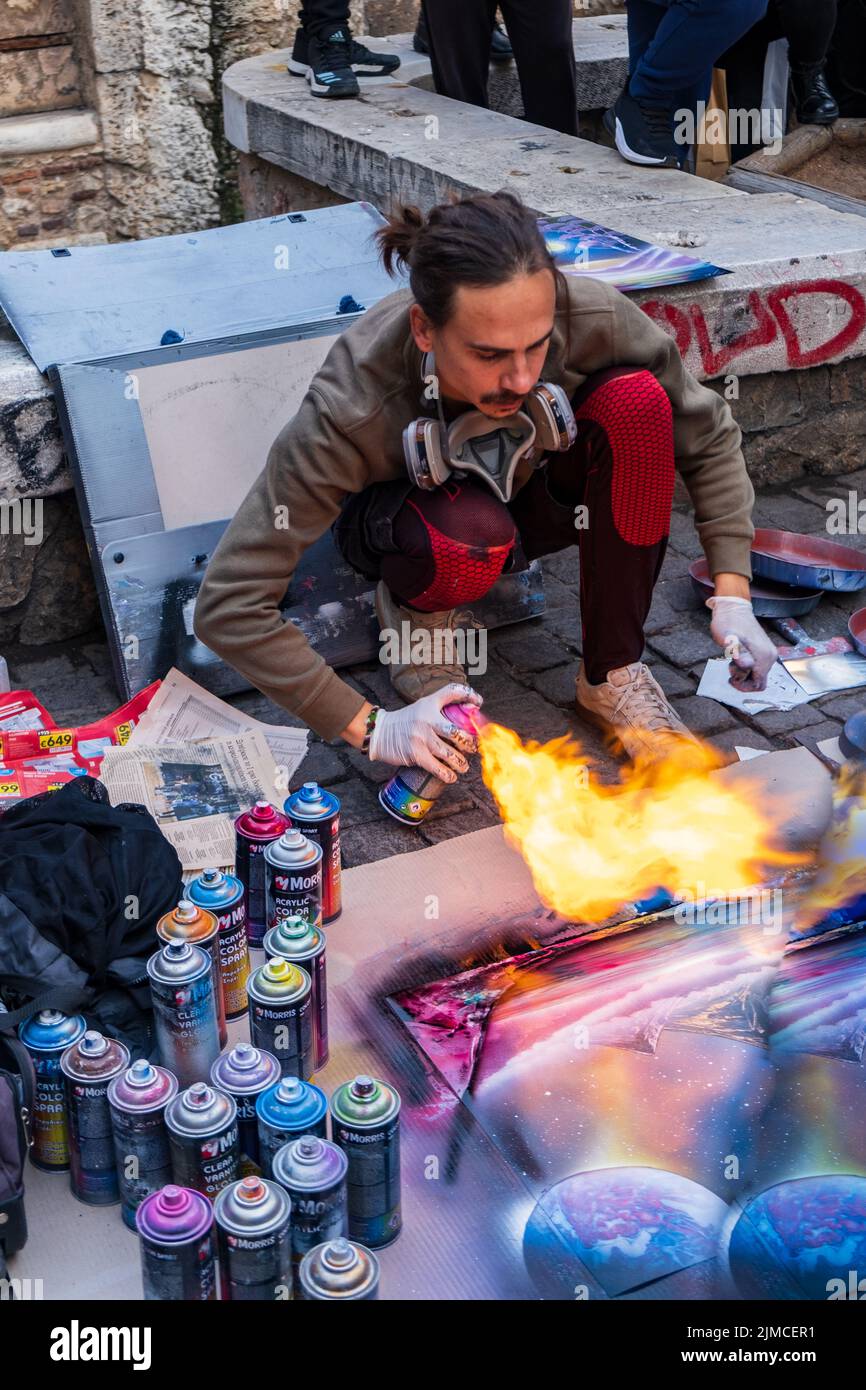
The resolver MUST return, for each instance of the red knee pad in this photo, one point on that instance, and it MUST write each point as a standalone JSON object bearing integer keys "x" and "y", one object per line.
{"x": 634, "y": 411}
{"x": 454, "y": 542}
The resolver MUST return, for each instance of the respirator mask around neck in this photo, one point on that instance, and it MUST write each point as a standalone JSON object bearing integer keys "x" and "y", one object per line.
{"x": 492, "y": 451}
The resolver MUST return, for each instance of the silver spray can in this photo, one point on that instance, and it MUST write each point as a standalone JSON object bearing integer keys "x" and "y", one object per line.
{"x": 202, "y": 1125}
{"x": 137, "y": 1100}
{"x": 184, "y": 1007}
{"x": 339, "y": 1270}
{"x": 313, "y": 1172}
{"x": 293, "y": 879}
{"x": 244, "y": 1073}
{"x": 253, "y": 1221}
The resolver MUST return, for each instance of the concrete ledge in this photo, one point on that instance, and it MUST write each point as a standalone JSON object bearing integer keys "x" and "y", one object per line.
{"x": 797, "y": 294}
{"x": 47, "y": 131}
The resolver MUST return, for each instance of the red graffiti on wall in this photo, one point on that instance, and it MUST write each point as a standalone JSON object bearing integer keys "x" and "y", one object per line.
{"x": 767, "y": 318}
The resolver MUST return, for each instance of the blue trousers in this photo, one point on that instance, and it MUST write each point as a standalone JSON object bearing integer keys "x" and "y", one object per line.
{"x": 673, "y": 45}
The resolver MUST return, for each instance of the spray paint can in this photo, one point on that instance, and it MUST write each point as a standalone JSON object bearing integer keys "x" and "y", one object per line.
{"x": 285, "y": 1112}
{"x": 254, "y": 831}
{"x": 186, "y": 922}
{"x": 411, "y": 793}
{"x": 313, "y": 1172}
{"x": 88, "y": 1066}
{"x": 223, "y": 895}
{"x": 202, "y": 1125}
{"x": 245, "y": 1073}
{"x": 178, "y": 1251}
{"x": 317, "y": 813}
{"x": 339, "y": 1269}
{"x": 293, "y": 879}
{"x": 253, "y": 1222}
{"x": 297, "y": 940}
{"x": 365, "y": 1123}
{"x": 184, "y": 1008}
{"x": 46, "y": 1037}
{"x": 137, "y": 1100}
{"x": 281, "y": 1015}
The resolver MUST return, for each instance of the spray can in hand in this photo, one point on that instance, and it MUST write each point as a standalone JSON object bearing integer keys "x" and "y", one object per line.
{"x": 411, "y": 793}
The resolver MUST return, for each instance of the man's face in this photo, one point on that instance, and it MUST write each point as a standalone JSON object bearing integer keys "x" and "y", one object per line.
{"x": 491, "y": 350}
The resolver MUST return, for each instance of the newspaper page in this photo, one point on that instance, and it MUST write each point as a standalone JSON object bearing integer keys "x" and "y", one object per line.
{"x": 195, "y": 789}
{"x": 183, "y": 710}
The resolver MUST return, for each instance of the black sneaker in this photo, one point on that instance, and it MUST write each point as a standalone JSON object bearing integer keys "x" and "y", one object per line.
{"x": 362, "y": 61}
{"x": 326, "y": 63}
{"x": 644, "y": 134}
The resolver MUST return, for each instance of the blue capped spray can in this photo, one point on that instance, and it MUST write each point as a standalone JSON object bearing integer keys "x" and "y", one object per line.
{"x": 286, "y": 1111}
{"x": 46, "y": 1037}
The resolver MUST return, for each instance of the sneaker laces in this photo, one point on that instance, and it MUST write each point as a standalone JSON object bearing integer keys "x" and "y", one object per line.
{"x": 658, "y": 118}
{"x": 338, "y": 51}
{"x": 645, "y": 698}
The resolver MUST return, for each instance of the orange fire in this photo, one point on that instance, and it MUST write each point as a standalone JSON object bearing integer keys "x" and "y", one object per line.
{"x": 592, "y": 847}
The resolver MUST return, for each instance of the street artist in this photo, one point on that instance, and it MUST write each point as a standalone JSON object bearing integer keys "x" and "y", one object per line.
{"x": 494, "y": 412}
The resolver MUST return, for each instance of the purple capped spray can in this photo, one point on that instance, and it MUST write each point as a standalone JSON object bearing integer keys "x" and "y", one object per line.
{"x": 244, "y": 1073}
{"x": 178, "y": 1250}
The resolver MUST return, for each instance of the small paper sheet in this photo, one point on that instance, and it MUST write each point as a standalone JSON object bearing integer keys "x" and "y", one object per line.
{"x": 819, "y": 675}
{"x": 782, "y": 691}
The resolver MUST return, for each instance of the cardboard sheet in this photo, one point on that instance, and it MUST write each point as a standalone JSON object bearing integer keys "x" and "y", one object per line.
{"x": 533, "y": 1162}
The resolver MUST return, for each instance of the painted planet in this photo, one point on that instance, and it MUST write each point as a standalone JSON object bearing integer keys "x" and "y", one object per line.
{"x": 792, "y": 1240}
{"x": 627, "y": 1226}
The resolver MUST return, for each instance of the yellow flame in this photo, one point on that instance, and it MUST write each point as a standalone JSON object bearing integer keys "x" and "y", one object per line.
{"x": 592, "y": 847}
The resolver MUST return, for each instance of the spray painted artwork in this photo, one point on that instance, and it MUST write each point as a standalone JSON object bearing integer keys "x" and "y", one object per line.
{"x": 683, "y": 1102}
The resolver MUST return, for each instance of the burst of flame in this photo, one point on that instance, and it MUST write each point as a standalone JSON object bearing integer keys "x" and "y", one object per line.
{"x": 592, "y": 847}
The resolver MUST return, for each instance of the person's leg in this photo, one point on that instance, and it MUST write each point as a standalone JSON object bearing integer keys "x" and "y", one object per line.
{"x": 675, "y": 68}
{"x": 541, "y": 37}
{"x": 621, "y": 469}
{"x": 808, "y": 26}
{"x": 459, "y": 34}
{"x": 320, "y": 17}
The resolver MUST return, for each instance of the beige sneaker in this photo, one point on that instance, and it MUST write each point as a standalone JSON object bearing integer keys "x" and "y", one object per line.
{"x": 632, "y": 707}
{"x": 432, "y": 657}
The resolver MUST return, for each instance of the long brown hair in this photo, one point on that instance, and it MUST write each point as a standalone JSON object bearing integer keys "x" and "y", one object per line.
{"x": 482, "y": 240}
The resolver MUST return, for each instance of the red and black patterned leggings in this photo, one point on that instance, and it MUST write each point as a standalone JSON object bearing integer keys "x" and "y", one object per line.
{"x": 448, "y": 546}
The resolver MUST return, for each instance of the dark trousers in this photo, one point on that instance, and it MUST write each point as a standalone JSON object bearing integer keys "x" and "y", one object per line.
{"x": 540, "y": 33}
{"x": 318, "y": 16}
{"x": 673, "y": 45}
{"x": 436, "y": 550}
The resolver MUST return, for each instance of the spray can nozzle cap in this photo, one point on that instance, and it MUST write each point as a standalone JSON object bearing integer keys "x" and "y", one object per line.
{"x": 363, "y": 1086}
{"x": 338, "y": 1254}
{"x": 93, "y": 1043}
{"x": 199, "y": 1095}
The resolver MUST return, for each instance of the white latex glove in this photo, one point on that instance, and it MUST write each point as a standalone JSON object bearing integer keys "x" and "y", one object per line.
{"x": 749, "y": 649}
{"x": 413, "y": 736}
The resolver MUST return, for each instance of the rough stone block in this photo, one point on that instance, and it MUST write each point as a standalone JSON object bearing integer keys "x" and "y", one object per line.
{"x": 704, "y": 716}
{"x": 777, "y": 723}
{"x": 558, "y": 685}
{"x": 689, "y": 644}
{"x": 531, "y": 651}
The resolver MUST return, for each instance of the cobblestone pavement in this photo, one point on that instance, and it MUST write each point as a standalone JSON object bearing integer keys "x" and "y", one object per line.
{"x": 529, "y": 684}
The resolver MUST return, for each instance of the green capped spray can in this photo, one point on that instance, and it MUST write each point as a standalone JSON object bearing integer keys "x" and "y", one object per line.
{"x": 365, "y": 1123}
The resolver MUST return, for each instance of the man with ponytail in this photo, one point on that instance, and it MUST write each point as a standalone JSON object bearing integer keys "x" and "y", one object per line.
{"x": 494, "y": 412}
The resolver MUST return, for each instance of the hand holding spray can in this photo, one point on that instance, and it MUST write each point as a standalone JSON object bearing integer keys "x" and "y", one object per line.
{"x": 411, "y": 793}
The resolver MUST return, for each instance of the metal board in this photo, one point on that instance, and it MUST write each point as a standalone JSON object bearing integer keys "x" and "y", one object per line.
{"x": 87, "y": 303}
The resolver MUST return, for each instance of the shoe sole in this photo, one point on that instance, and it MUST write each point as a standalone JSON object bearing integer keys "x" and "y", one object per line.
{"x": 319, "y": 89}
{"x": 302, "y": 69}
{"x": 633, "y": 157}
